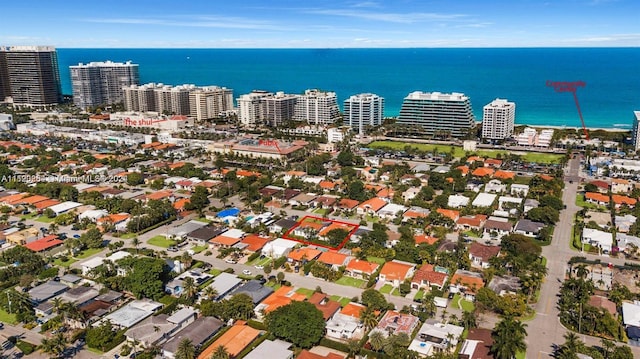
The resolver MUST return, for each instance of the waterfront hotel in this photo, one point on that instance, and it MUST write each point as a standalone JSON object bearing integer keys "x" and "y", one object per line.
{"x": 435, "y": 114}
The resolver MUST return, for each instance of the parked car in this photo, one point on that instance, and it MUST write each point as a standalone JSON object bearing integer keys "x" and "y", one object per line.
{"x": 230, "y": 261}
{"x": 246, "y": 272}
{"x": 172, "y": 249}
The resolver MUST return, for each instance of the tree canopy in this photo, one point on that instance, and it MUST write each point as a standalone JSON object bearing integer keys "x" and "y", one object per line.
{"x": 300, "y": 323}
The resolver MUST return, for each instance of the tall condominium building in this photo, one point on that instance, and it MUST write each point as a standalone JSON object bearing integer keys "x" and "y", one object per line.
{"x": 279, "y": 108}
{"x": 317, "y": 107}
{"x": 635, "y": 133}
{"x": 435, "y": 114}
{"x": 251, "y": 107}
{"x": 101, "y": 83}
{"x": 498, "y": 118}
{"x": 363, "y": 110}
{"x": 30, "y": 76}
{"x": 201, "y": 102}
{"x": 210, "y": 102}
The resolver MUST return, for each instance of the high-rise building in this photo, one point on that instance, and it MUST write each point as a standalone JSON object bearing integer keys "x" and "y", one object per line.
{"x": 498, "y": 118}
{"x": 317, "y": 107}
{"x": 363, "y": 110}
{"x": 251, "y": 107}
{"x": 101, "y": 83}
{"x": 434, "y": 114}
{"x": 635, "y": 133}
{"x": 210, "y": 102}
{"x": 279, "y": 108}
{"x": 140, "y": 98}
{"x": 30, "y": 76}
{"x": 173, "y": 100}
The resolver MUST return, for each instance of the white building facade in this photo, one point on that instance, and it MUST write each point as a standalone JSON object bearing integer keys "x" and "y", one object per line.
{"x": 498, "y": 118}
{"x": 101, "y": 83}
{"x": 435, "y": 114}
{"x": 363, "y": 110}
{"x": 317, "y": 108}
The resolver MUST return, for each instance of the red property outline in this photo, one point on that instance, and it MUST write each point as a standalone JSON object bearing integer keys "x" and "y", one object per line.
{"x": 355, "y": 228}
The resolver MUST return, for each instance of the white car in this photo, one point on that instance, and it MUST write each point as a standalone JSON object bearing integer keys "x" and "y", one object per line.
{"x": 246, "y": 272}
{"x": 230, "y": 261}
{"x": 260, "y": 267}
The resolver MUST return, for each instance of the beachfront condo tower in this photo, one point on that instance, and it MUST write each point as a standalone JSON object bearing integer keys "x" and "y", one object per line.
{"x": 436, "y": 115}
{"x": 317, "y": 108}
{"x": 635, "y": 133}
{"x": 498, "y": 118}
{"x": 362, "y": 111}
{"x": 101, "y": 83}
{"x": 210, "y": 102}
{"x": 29, "y": 76}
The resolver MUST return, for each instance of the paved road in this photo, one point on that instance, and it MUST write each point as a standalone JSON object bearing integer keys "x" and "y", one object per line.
{"x": 545, "y": 330}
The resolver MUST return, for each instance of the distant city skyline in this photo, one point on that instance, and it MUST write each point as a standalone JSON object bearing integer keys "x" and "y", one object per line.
{"x": 326, "y": 24}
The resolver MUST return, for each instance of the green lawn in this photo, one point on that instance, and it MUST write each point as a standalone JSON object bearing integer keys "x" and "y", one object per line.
{"x": 352, "y": 282}
{"x": 521, "y": 355}
{"x": 7, "y": 318}
{"x": 161, "y": 241}
{"x": 582, "y": 203}
{"x": 386, "y": 289}
{"x": 321, "y": 211}
{"x": 203, "y": 220}
{"x": 198, "y": 249}
{"x": 25, "y": 347}
{"x": 260, "y": 262}
{"x": 273, "y": 285}
{"x": 471, "y": 234}
{"x": 67, "y": 264}
{"x": 88, "y": 253}
{"x": 465, "y": 305}
{"x": 396, "y": 292}
{"x": 44, "y": 219}
{"x": 214, "y": 272}
{"x": 342, "y": 300}
{"x": 128, "y": 235}
{"x": 378, "y": 260}
{"x": 419, "y": 295}
{"x": 459, "y": 152}
{"x": 370, "y": 218}
{"x": 306, "y": 292}
{"x": 29, "y": 216}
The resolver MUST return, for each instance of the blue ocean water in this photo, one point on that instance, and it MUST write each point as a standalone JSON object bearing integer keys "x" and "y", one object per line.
{"x": 611, "y": 94}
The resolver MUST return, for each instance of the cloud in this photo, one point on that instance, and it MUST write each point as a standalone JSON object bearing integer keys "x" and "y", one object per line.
{"x": 366, "y": 4}
{"x": 404, "y": 18}
{"x": 206, "y": 21}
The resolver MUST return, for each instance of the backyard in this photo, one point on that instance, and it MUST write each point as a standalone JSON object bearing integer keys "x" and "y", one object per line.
{"x": 352, "y": 282}
{"x": 460, "y": 303}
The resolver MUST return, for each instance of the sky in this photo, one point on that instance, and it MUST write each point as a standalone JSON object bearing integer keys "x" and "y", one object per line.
{"x": 321, "y": 24}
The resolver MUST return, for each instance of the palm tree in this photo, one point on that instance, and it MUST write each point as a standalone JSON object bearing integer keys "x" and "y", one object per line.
{"x": 607, "y": 348}
{"x": 186, "y": 349}
{"x": 53, "y": 346}
{"x": 354, "y": 347}
{"x": 220, "y": 353}
{"x": 581, "y": 271}
{"x": 508, "y": 338}
{"x": 186, "y": 260}
{"x": 210, "y": 293}
{"x": 572, "y": 344}
{"x": 368, "y": 318}
{"x": 377, "y": 341}
{"x": 190, "y": 288}
{"x": 470, "y": 319}
{"x": 136, "y": 242}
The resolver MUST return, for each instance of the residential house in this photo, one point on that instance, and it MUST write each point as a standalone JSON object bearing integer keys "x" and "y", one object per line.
{"x": 480, "y": 254}
{"x": 601, "y": 302}
{"x": 394, "y": 323}
{"x": 348, "y": 204}
{"x": 371, "y": 206}
{"x": 253, "y": 289}
{"x": 497, "y": 229}
{"x": 483, "y": 172}
{"x": 227, "y": 239}
{"x": 45, "y": 243}
{"x": 395, "y": 272}
{"x": 410, "y": 193}
{"x": 620, "y": 201}
{"x": 503, "y": 285}
{"x": 596, "y": 198}
{"x": 475, "y": 222}
{"x": 302, "y": 255}
{"x": 504, "y": 175}
{"x": 334, "y": 259}
{"x": 493, "y": 162}
{"x": 234, "y": 340}
{"x": 151, "y": 331}
{"x": 519, "y": 190}
{"x": 281, "y": 297}
{"x": 279, "y": 247}
{"x": 272, "y": 349}
{"x": 303, "y": 199}
{"x": 495, "y": 186}
{"x": 511, "y": 204}
{"x": 324, "y": 304}
{"x": 282, "y": 225}
{"x": 457, "y": 201}
{"x": 602, "y": 186}
{"x": 345, "y": 324}
{"x": 449, "y": 213}
{"x": 391, "y": 211}
{"x": 79, "y": 295}
{"x": 528, "y": 228}
{"x": 620, "y": 185}
{"x": 361, "y": 269}
{"x": 435, "y": 336}
{"x": 204, "y": 234}
{"x": 466, "y": 283}
{"x": 631, "y": 321}
{"x": 46, "y": 291}
{"x": 305, "y": 354}
{"x": 626, "y": 243}
{"x": 426, "y": 277}
{"x": 224, "y": 284}
{"x": 131, "y": 314}
{"x": 254, "y": 243}
{"x": 325, "y": 202}
{"x": 624, "y": 223}
{"x": 530, "y": 204}
{"x": 198, "y": 332}
{"x": 478, "y": 344}
{"x": 484, "y": 200}
{"x": 600, "y": 239}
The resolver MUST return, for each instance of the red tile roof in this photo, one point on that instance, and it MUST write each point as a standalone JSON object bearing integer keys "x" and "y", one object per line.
{"x": 618, "y": 199}
{"x": 395, "y": 270}
{"x": 332, "y": 258}
{"x": 429, "y": 275}
{"x": 327, "y": 306}
{"x": 423, "y": 238}
{"x": 362, "y": 266}
{"x": 504, "y": 174}
{"x": 482, "y": 251}
{"x": 305, "y": 354}
{"x": 482, "y": 171}
{"x": 255, "y": 242}
{"x": 449, "y": 213}
{"x": 374, "y": 204}
{"x": 44, "y": 243}
{"x": 598, "y": 197}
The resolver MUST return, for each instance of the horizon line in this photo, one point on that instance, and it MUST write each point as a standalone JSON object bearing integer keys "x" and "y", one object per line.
{"x": 344, "y": 48}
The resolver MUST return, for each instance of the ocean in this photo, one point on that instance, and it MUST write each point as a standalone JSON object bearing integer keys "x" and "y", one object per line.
{"x": 611, "y": 94}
